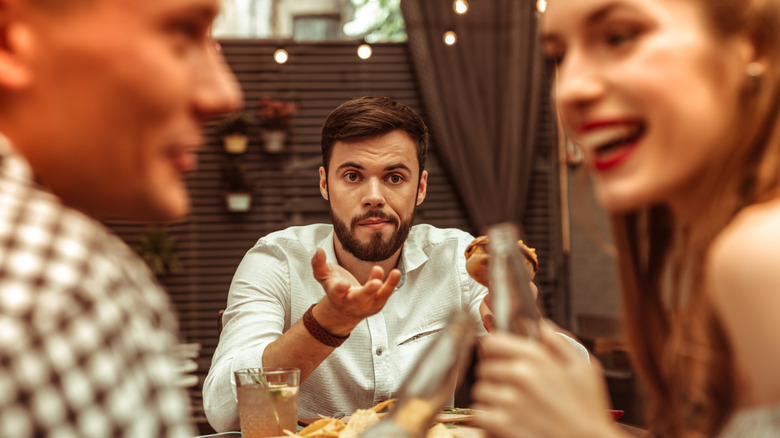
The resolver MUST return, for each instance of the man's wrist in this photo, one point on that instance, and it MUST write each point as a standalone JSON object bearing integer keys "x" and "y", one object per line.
{"x": 332, "y": 320}
{"x": 321, "y": 333}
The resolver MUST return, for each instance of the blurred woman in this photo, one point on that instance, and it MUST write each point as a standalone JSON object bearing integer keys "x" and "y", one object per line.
{"x": 675, "y": 105}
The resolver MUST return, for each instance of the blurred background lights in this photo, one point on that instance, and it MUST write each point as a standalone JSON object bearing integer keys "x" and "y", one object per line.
{"x": 364, "y": 51}
{"x": 541, "y": 5}
{"x": 450, "y": 38}
{"x": 281, "y": 56}
{"x": 460, "y": 6}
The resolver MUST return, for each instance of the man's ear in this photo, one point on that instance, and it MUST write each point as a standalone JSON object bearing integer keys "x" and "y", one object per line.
{"x": 324, "y": 183}
{"x": 422, "y": 188}
{"x": 16, "y": 46}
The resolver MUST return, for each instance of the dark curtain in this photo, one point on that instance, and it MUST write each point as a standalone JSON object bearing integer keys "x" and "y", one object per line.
{"x": 482, "y": 98}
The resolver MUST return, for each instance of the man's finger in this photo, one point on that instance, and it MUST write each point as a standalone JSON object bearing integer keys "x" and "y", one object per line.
{"x": 389, "y": 285}
{"x": 319, "y": 265}
{"x": 376, "y": 273}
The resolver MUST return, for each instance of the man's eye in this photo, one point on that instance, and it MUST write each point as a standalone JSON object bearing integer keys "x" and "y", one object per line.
{"x": 351, "y": 176}
{"x": 395, "y": 179}
{"x": 188, "y": 30}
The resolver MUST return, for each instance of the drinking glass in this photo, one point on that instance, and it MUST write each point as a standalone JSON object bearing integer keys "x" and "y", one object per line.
{"x": 267, "y": 400}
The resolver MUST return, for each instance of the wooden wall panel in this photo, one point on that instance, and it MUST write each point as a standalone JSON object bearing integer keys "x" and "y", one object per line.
{"x": 318, "y": 77}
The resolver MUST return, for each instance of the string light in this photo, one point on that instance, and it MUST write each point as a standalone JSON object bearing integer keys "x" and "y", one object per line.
{"x": 541, "y": 5}
{"x": 281, "y": 56}
{"x": 450, "y": 38}
{"x": 460, "y": 6}
{"x": 364, "y": 51}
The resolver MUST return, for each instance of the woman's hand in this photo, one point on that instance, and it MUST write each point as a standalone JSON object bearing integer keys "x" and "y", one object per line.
{"x": 527, "y": 388}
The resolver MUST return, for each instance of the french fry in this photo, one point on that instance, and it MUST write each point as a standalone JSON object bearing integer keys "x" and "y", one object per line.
{"x": 385, "y": 404}
{"x": 362, "y": 419}
{"x": 324, "y": 427}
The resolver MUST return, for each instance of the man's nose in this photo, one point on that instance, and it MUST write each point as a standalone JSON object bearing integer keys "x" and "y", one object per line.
{"x": 218, "y": 91}
{"x": 373, "y": 196}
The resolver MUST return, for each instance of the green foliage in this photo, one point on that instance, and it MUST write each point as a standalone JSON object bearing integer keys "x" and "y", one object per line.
{"x": 235, "y": 177}
{"x": 387, "y": 25}
{"x": 240, "y": 122}
{"x": 159, "y": 250}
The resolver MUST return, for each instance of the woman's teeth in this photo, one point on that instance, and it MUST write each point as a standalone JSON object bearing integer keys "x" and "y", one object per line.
{"x": 608, "y": 137}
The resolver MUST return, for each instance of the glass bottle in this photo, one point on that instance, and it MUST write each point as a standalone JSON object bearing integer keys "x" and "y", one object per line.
{"x": 513, "y": 303}
{"x": 430, "y": 383}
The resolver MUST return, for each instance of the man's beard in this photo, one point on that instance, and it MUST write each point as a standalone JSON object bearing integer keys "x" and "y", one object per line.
{"x": 376, "y": 250}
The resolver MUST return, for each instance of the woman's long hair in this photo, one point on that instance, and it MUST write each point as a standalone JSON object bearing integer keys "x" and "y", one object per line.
{"x": 678, "y": 343}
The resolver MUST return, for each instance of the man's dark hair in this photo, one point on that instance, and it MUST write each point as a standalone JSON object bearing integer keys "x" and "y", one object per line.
{"x": 369, "y": 116}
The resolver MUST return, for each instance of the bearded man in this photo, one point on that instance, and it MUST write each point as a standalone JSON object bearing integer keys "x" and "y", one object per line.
{"x": 377, "y": 290}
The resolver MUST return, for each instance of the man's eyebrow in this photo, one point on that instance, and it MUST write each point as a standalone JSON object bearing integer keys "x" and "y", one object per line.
{"x": 350, "y": 164}
{"x": 398, "y": 166}
{"x": 204, "y": 9}
{"x": 353, "y": 165}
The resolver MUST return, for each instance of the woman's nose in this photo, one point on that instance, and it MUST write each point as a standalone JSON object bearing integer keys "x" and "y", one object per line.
{"x": 578, "y": 83}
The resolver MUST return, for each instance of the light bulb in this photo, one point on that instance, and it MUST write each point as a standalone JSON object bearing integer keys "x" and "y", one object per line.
{"x": 450, "y": 38}
{"x": 460, "y": 6}
{"x": 281, "y": 56}
{"x": 364, "y": 51}
{"x": 541, "y": 5}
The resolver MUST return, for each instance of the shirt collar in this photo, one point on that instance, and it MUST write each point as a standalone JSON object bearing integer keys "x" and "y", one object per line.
{"x": 12, "y": 165}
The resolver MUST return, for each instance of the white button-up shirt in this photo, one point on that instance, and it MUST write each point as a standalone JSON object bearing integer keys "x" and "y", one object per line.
{"x": 274, "y": 286}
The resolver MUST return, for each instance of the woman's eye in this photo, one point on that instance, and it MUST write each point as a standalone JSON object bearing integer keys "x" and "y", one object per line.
{"x": 555, "y": 58}
{"x": 622, "y": 37}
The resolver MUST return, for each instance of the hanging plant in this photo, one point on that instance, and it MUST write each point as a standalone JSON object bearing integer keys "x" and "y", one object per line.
{"x": 159, "y": 250}
{"x": 238, "y": 186}
{"x": 275, "y": 115}
{"x": 235, "y": 130}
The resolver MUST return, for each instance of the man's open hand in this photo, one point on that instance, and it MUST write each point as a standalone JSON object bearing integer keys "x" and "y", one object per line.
{"x": 346, "y": 301}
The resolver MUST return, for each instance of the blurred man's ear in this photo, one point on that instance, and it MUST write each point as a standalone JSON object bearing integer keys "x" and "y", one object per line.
{"x": 422, "y": 188}
{"x": 15, "y": 47}
{"x": 324, "y": 183}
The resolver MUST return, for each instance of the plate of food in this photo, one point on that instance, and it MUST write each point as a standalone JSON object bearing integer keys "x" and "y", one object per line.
{"x": 449, "y": 423}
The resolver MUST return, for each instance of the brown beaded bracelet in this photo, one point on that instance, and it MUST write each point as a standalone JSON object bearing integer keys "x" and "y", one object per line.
{"x": 315, "y": 329}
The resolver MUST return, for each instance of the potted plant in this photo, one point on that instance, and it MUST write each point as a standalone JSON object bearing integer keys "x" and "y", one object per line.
{"x": 238, "y": 186}
{"x": 275, "y": 118}
{"x": 159, "y": 250}
{"x": 235, "y": 131}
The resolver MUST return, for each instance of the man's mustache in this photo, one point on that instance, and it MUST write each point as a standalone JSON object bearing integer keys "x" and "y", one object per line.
{"x": 374, "y": 214}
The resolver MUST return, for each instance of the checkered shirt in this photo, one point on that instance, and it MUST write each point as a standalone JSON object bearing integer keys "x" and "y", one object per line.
{"x": 86, "y": 334}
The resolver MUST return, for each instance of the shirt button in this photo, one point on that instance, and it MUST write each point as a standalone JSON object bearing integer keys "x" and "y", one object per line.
{"x": 379, "y": 351}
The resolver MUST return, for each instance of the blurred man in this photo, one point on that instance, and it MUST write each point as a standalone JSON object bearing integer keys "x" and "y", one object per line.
{"x": 102, "y": 104}
{"x": 356, "y": 317}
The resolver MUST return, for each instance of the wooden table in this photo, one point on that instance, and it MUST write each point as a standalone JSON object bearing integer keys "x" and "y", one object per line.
{"x": 460, "y": 432}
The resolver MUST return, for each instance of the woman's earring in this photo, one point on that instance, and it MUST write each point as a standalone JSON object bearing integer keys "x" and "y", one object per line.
{"x": 755, "y": 70}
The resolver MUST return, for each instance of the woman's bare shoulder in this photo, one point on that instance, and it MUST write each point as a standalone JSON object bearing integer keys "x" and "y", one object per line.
{"x": 750, "y": 242}
{"x": 743, "y": 275}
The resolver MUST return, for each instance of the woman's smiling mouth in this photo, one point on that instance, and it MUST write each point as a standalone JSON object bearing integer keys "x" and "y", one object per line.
{"x": 611, "y": 143}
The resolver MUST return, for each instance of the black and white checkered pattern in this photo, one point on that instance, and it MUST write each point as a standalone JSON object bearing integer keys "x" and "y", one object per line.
{"x": 86, "y": 334}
